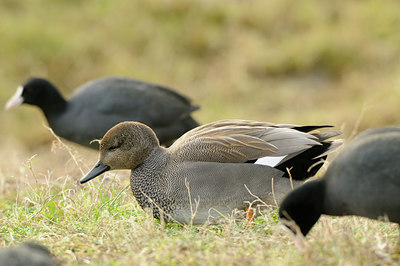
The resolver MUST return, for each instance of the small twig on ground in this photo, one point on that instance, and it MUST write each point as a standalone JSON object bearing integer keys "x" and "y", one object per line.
{"x": 66, "y": 147}
{"x": 358, "y": 122}
{"x": 197, "y": 202}
{"x": 290, "y": 177}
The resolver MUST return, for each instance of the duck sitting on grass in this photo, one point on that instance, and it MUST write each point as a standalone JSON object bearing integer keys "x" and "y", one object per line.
{"x": 213, "y": 169}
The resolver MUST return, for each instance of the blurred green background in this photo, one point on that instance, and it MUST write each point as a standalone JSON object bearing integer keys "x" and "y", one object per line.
{"x": 303, "y": 62}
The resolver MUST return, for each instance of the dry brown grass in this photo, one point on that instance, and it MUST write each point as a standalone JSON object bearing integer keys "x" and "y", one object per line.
{"x": 102, "y": 224}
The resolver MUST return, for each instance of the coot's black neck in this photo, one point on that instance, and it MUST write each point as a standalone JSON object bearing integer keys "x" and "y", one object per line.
{"x": 44, "y": 94}
{"x": 53, "y": 103}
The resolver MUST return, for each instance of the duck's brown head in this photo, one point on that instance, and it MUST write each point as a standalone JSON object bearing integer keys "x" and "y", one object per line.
{"x": 125, "y": 146}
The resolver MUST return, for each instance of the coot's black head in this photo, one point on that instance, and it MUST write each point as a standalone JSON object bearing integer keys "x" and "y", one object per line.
{"x": 303, "y": 206}
{"x": 37, "y": 91}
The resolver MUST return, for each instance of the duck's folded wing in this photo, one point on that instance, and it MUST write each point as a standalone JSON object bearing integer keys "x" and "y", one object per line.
{"x": 240, "y": 141}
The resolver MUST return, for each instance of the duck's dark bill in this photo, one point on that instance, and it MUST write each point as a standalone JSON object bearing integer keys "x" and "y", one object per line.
{"x": 97, "y": 170}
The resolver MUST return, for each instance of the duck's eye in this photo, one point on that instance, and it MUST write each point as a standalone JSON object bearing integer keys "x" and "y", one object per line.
{"x": 113, "y": 147}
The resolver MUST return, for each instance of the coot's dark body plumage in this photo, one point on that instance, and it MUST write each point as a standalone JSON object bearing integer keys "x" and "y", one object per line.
{"x": 363, "y": 180}
{"x": 27, "y": 254}
{"x": 100, "y": 104}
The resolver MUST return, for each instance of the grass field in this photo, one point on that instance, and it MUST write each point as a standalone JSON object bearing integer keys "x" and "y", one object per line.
{"x": 308, "y": 62}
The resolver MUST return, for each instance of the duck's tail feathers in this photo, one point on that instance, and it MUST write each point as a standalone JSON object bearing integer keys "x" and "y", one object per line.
{"x": 334, "y": 146}
{"x": 307, "y": 129}
{"x": 307, "y": 163}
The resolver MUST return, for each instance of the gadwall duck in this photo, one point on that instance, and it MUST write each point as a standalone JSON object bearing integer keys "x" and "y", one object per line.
{"x": 100, "y": 104}
{"x": 28, "y": 253}
{"x": 363, "y": 180}
{"x": 213, "y": 169}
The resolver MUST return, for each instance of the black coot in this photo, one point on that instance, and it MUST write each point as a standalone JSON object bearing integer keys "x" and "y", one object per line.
{"x": 28, "y": 253}
{"x": 100, "y": 104}
{"x": 363, "y": 180}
